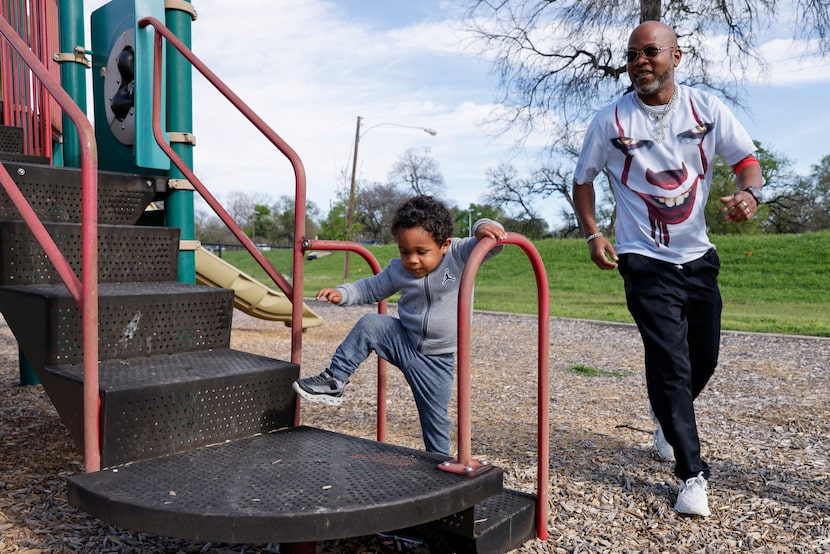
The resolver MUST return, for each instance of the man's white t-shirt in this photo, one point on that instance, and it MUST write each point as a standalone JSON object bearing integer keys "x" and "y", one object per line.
{"x": 661, "y": 186}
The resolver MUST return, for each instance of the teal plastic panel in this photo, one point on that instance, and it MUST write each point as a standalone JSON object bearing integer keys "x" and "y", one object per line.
{"x": 147, "y": 151}
{"x": 125, "y": 138}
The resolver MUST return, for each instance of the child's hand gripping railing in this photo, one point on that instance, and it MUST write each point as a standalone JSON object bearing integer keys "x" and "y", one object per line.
{"x": 464, "y": 464}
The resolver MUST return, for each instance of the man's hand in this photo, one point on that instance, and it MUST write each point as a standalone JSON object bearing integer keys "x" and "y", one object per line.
{"x": 739, "y": 207}
{"x": 603, "y": 253}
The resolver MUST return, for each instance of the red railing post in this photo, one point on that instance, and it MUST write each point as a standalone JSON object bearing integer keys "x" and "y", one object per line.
{"x": 347, "y": 246}
{"x": 293, "y": 290}
{"x": 85, "y": 293}
{"x": 463, "y": 463}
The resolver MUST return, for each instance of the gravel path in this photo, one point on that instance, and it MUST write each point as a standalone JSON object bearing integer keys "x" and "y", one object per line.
{"x": 764, "y": 421}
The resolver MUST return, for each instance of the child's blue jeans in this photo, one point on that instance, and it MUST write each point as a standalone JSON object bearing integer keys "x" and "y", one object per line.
{"x": 429, "y": 377}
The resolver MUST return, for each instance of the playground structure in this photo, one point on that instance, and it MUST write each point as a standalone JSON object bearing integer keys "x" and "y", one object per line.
{"x": 180, "y": 432}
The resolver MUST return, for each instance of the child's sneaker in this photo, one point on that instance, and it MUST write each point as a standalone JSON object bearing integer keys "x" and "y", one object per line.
{"x": 323, "y": 388}
{"x": 692, "y": 498}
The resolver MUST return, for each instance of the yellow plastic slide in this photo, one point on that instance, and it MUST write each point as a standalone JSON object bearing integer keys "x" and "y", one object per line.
{"x": 250, "y": 295}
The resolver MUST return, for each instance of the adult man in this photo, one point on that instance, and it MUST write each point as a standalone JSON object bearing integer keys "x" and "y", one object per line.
{"x": 658, "y": 145}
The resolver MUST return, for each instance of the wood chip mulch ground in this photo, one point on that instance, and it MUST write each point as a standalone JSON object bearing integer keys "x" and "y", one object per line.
{"x": 764, "y": 421}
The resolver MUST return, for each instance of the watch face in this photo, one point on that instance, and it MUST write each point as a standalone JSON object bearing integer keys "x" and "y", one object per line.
{"x": 756, "y": 193}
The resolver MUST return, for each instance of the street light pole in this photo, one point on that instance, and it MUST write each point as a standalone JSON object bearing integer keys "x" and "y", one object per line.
{"x": 350, "y": 208}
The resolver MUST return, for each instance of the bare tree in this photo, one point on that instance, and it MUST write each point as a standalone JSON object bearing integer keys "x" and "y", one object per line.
{"x": 241, "y": 206}
{"x": 376, "y": 205}
{"x": 560, "y": 61}
{"x": 418, "y": 172}
{"x": 508, "y": 191}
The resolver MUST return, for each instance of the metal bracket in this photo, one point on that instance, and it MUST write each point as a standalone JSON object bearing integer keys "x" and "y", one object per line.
{"x": 78, "y": 55}
{"x": 176, "y": 136}
{"x": 181, "y": 5}
{"x": 190, "y": 245}
{"x": 475, "y": 467}
{"x": 180, "y": 184}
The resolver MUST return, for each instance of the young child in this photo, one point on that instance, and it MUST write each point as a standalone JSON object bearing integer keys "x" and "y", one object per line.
{"x": 422, "y": 340}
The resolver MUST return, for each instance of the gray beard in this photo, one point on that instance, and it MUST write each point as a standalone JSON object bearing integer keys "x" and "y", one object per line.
{"x": 656, "y": 84}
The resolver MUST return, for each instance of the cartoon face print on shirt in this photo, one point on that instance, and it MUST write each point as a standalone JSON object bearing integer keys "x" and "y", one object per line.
{"x": 668, "y": 185}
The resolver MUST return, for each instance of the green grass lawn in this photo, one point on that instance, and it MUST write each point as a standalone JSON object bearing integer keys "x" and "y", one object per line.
{"x": 770, "y": 283}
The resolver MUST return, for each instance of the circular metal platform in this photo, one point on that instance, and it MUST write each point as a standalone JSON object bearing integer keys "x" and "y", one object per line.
{"x": 294, "y": 485}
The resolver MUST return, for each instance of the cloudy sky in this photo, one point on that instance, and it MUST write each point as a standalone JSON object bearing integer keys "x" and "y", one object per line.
{"x": 310, "y": 67}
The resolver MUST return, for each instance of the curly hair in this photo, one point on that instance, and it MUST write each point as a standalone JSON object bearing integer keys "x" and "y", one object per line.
{"x": 426, "y": 212}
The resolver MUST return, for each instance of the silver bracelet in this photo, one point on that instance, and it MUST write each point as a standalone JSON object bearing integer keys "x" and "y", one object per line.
{"x": 589, "y": 238}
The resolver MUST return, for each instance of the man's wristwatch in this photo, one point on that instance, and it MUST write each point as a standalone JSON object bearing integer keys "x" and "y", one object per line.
{"x": 756, "y": 194}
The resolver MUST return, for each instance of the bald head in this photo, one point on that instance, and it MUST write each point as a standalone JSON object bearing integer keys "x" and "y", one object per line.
{"x": 655, "y": 32}
{"x": 652, "y": 56}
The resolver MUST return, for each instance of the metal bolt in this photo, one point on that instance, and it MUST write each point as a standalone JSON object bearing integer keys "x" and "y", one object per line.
{"x": 21, "y": 171}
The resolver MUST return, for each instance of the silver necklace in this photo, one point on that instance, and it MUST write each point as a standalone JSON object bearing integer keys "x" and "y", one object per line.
{"x": 658, "y": 114}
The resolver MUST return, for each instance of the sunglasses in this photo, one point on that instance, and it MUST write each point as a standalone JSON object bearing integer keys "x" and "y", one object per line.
{"x": 632, "y": 54}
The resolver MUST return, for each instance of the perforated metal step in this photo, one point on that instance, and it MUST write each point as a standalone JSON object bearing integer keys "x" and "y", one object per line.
{"x": 55, "y": 193}
{"x": 293, "y": 485}
{"x": 125, "y": 253}
{"x": 496, "y": 525}
{"x": 135, "y": 319}
{"x": 159, "y": 405}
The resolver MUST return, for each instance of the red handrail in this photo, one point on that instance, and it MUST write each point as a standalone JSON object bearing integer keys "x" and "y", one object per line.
{"x": 464, "y": 464}
{"x": 293, "y": 290}
{"x": 375, "y": 266}
{"x": 84, "y": 293}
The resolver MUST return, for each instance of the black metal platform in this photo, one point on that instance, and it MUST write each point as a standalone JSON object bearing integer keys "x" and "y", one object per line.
{"x": 294, "y": 485}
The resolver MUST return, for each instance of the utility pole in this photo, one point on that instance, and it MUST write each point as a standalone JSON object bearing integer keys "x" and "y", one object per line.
{"x": 351, "y": 207}
{"x": 350, "y": 210}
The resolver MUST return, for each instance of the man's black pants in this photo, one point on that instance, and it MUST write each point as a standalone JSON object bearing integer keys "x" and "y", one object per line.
{"x": 677, "y": 309}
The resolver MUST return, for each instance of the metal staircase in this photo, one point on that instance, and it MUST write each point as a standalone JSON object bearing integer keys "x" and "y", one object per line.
{"x": 198, "y": 440}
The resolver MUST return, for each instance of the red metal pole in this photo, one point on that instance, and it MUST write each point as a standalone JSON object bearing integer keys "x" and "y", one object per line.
{"x": 464, "y": 464}
{"x": 348, "y": 246}
{"x": 295, "y": 290}
{"x": 88, "y": 299}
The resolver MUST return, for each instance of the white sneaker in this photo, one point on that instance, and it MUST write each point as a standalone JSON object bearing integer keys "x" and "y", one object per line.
{"x": 692, "y": 498}
{"x": 664, "y": 449}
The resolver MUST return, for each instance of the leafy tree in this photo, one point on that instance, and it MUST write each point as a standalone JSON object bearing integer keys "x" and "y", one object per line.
{"x": 418, "y": 173}
{"x": 820, "y": 178}
{"x": 464, "y": 219}
{"x": 279, "y": 226}
{"x": 334, "y": 226}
